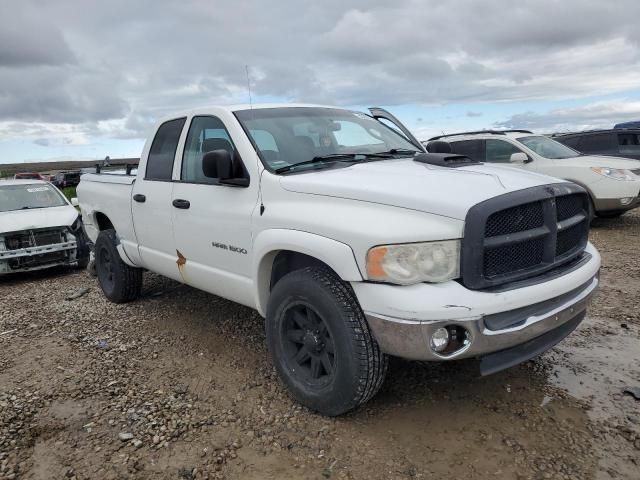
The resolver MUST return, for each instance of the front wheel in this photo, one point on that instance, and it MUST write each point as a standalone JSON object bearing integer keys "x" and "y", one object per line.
{"x": 120, "y": 283}
{"x": 320, "y": 342}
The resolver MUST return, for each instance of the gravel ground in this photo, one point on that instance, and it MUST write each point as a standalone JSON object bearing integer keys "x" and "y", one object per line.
{"x": 179, "y": 385}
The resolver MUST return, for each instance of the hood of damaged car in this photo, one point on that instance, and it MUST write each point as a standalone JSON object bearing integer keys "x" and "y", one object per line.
{"x": 18, "y": 220}
{"x": 404, "y": 183}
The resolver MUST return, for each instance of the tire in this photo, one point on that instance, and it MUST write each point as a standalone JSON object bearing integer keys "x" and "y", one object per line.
{"x": 82, "y": 263}
{"x": 610, "y": 214}
{"x": 321, "y": 344}
{"x": 120, "y": 283}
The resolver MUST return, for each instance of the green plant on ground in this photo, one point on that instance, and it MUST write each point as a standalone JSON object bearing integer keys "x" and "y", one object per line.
{"x": 69, "y": 192}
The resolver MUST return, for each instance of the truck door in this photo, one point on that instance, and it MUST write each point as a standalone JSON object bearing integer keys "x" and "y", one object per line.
{"x": 381, "y": 114}
{"x": 151, "y": 205}
{"x": 212, "y": 221}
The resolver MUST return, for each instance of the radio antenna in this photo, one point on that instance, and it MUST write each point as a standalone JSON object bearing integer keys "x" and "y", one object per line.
{"x": 261, "y": 172}
{"x": 246, "y": 69}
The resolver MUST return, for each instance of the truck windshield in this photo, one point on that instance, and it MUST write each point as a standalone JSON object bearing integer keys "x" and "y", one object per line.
{"x": 289, "y": 136}
{"x": 28, "y": 196}
{"x": 548, "y": 148}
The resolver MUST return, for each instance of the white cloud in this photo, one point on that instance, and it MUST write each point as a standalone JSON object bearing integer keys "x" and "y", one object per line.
{"x": 591, "y": 116}
{"x": 111, "y": 68}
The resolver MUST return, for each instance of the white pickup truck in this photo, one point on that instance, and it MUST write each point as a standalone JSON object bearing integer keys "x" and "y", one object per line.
{"x": 350, "y": 240}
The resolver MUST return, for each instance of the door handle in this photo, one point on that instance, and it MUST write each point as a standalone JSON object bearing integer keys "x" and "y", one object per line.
{"x": 138, "y": 197}
{"x": 180, "y": 203}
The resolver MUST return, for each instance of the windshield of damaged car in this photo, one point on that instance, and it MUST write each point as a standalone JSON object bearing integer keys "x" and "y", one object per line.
{"x": 288, "y": 136}
{"x": 26, "y": 197}
{"x": 548, "y": 148}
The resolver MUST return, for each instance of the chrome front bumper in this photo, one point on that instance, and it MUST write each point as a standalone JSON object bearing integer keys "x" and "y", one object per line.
{"x": 412, "y": 338}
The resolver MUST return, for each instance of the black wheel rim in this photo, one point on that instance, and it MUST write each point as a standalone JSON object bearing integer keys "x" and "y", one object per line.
{"x": 106, "y": 269}
{"x": 308, "y": 345}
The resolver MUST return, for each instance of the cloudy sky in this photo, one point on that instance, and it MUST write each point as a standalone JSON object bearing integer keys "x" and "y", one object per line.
{"x": 85, "y": 79}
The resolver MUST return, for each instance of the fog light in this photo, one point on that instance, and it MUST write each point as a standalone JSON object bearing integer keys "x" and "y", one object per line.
{"x": 626, "y": 200}
{"x": 440, "y": 339}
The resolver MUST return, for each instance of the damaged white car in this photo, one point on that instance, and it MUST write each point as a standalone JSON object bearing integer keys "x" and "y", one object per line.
{"x": 39, "y": 228}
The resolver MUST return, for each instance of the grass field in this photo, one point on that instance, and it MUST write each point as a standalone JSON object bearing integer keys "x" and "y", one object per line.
{"x": 69, "y": 192}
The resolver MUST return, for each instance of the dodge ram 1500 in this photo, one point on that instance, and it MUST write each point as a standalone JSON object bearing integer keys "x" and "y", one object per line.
{"x": 351, "y": 240}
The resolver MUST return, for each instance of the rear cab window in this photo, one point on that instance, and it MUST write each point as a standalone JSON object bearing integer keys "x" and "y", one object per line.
{"x": 163, "y": 150}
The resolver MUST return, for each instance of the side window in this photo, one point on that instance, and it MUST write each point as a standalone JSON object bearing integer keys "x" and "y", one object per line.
{"x": 163, "y": 150}
{"x": 601, "y": 143}
{"x": 628, "y": 143}
{"x": 499, "y": 151}
{"x": 205, "y": 135}
{"x": 569, "y": 142}
{"x": 474, "y": 149}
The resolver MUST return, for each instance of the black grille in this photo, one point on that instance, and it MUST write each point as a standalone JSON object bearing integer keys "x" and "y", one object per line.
{"x": 515, "y": 219}
{"x": 523, "y": 234}
{"x": 569, "y": 239}
{"x": 501, "y": 260}
{"x": 568, "y": 206}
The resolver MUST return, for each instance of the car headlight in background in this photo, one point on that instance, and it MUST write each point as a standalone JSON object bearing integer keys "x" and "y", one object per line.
{"x": 414, "y": 262}
{"x": 615, "y": 173}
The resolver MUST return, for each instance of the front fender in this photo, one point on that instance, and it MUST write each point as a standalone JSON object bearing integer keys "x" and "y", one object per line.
{"x": 268, "y": 243}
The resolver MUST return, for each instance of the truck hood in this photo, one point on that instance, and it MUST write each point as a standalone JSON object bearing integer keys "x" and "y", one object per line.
{"x": 404, "y": 183}
{"x": 18, "y": 220}
{"x": 600, "y": 161}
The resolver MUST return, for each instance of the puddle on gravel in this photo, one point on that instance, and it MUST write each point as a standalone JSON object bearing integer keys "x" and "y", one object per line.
{"x": 595, "y": 364}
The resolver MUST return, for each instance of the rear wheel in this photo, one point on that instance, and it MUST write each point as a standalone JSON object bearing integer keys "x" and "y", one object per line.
{"x": 119, "y": 282}
{"x": 320, "y": 342}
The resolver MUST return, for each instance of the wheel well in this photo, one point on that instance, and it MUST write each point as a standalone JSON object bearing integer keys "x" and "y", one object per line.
{"x": 103, "y": 221}
{"x": 287, "y": 261}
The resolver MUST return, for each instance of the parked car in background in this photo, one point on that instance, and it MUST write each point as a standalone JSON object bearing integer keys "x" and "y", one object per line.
{"x": 632, "y": 124}
{"x": 613, "y": 183}
{"x": 39, "y": 228}
{"x": 67, "y": 179}
{"x": 27, "y": 176}
{"x": 351, "y": 240}
{"x": 617, "y": 141}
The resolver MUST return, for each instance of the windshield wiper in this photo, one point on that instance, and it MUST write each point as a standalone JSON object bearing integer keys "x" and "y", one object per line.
{"x": 400, "y": 151}
{"x": 335, "y": 157}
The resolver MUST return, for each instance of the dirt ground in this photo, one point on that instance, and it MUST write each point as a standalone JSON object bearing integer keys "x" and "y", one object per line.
{"x": 179, "y": 385}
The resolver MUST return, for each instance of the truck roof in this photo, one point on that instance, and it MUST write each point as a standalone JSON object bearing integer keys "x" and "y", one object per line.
{"x": 243, "y": 106}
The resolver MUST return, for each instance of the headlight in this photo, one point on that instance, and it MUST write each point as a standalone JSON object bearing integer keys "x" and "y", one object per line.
{"x": 414, "y": 262}
{"x": 615, "y": 173}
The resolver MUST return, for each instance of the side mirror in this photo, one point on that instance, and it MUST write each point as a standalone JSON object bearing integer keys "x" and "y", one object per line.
{"x": 519, "y": 157}
{"x": 74, "y": 202}
{"x": 218, "y": 164}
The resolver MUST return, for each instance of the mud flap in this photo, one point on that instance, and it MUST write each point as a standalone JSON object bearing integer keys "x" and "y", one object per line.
{"x": 495, "y": 362}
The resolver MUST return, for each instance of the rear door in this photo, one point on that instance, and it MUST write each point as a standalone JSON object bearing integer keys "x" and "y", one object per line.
{"x": 151, "y": 204}
{"x": 212, "y": 221}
